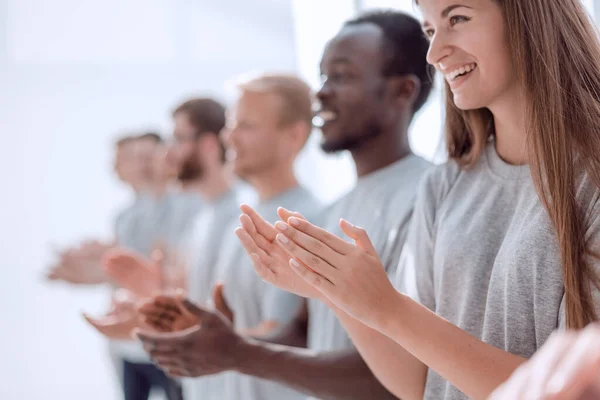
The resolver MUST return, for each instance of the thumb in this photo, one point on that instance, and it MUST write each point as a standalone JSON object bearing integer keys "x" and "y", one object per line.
{"x": 285, "y": 214}
{"x": 157, "y": 256}
{"x": 360, "y": 237}
{"x": 220, "y": 302}
{"x": 202, "y": 313}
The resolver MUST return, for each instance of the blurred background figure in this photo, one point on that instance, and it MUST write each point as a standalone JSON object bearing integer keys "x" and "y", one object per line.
{"x": 140, "y": 163}
{"x": 157, "y": 232}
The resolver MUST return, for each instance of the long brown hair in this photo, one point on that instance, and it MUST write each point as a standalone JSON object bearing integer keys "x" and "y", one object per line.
{"x": 556, "y": 54}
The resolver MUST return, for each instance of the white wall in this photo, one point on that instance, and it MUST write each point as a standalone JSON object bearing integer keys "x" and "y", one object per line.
{"x": 72, "y": 75}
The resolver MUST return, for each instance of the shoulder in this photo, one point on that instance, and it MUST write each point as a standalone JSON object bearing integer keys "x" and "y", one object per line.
{"x": 438, "y": 181}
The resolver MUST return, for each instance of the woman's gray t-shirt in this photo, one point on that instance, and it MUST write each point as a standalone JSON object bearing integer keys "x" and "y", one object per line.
{"x": 482, "y": 253}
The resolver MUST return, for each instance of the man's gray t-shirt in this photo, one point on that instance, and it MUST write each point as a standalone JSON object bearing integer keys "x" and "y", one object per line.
{"x": 155, "y": 221}
{"x": 173, "y": 217}
{"x": 202, "y": 247}
{"x": 482, "y": 253}
{"x": 254, "y": 301}
{"x": 381, "y": 203}
{"x": 129, "y": 227}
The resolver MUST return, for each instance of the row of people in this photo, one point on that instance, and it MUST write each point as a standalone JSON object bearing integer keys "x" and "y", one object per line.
{"x": 452, "y": 276}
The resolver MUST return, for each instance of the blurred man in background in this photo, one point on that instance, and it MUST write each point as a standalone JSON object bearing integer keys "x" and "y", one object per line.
{"x": 269, "y": 126}
{"x": 81, "y": 264}
{"x": 189, "y": 238}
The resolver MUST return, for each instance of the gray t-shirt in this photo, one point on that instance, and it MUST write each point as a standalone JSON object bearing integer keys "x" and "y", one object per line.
{"x": 254, "y": 301}
{"x": 482, "y": 253}
{"x": 173, "y": 218}
{"x": 381, "y": 203}
{"x": 203, "y": 245}
{"x": 128, "y": 225}
{"x": 131, "y": 232}
{"x": 153, "y": 221}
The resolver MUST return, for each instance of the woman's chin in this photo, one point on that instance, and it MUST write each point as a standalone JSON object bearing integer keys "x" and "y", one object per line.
{"x": 464, "y": 102}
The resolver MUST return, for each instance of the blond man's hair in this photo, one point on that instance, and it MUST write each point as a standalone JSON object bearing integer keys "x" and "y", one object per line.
{"x": 295, "y": 95}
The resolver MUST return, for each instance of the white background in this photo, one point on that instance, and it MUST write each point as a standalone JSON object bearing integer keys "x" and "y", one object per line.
{"x": 73, "y": 76}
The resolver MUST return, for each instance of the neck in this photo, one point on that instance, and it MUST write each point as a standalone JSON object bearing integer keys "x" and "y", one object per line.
{"x": 159, "y": 189}
{"x": 383, "y": 150}
{"x": 213, "y": 184}
{"x": 510, "y": 126}
{"x": 273, "y": 182}
{"x": 138, "y": 188}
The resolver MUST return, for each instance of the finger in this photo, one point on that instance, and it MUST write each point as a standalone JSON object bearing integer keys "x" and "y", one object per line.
{"x": 248, "y": 225}
{"x": 157, "y": 256}
{"x": 310, "y": 260}
{"x": 170, "y": 338}
{"x": 92, "y": 321}
{"x": 262, "y": 226}
{"x": 160, "y": 319}
{"x": 220, "y": 302}
{"x": 309, "y": 243}
{"x": 262, "y": 270}
{"x": 160, "y": 311}
{"x": 579, "y": 368}
{"x": 248, "y": 242}
{"x": 319, "y": 282}
{"x": 167, "y": 355}
{"x": 543, "y": 364}
{"x": 202, "y": 313}
{"x": 337, "y": 244}
{"x": 360, "y": 237}
{"x": 107, "y": 327}
{"x": 168, "y": 302}
{"x": 158, "y": 325}
{"x": 177, "y": 370}
{"x": 285, "y": 214}
{"x": 163, "y": 315}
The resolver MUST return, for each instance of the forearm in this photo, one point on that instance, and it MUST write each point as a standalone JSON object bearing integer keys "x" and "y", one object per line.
{"x": 334, "y": 375}
{"x": 471, "y": 365}
{"x": 398, "y": 370}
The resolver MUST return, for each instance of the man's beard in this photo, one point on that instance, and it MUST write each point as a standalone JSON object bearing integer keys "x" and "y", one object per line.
{"x": 190, "y": 172}
{"x": 352, "y": 142}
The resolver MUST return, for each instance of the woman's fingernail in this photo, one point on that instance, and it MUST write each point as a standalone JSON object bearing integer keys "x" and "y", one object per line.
{"x": 294, "y": 221}
{"x": 282, "y": 239}
{"x": 280, "y": 225}
{"x": 294, "y": 263}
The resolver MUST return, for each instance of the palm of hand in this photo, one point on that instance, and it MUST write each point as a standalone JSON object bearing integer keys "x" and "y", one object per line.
{"x": 119, "y": 322}
{"x": 164, "y": 314}
{"x": 277, "y": 261}
{"x": 133, "y": 273}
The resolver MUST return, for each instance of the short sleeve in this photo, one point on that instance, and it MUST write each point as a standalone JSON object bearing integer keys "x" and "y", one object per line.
{"x": 415, "y": 271}
{"x": 280, "y": 306}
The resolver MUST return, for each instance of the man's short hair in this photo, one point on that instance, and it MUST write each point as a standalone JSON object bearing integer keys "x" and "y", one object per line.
{"x": 205, "y": 114}
{"x": 295, "y": 95}
{"x": 405, "y": 47}
{"x": 154, "y": 136}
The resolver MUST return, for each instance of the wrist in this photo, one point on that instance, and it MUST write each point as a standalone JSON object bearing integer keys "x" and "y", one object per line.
{"x": 245, "y": 352}
{"x": 390, "y": 313}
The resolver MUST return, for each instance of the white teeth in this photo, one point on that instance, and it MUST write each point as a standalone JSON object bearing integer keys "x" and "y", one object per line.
{"x": 327, "y": 116}
{"x": 230, "y": 155}
{"x": 460, "y": 71}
